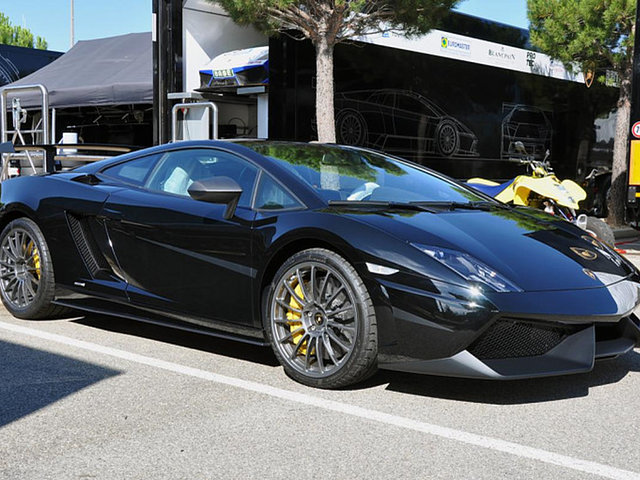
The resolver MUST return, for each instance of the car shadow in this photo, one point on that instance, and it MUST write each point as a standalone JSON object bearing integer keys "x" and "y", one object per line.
{"x": 198, "y": 341}
{"x": 31, "y": 379}
{"x": 459, "y": 389}
{"x": 511, "y": 392}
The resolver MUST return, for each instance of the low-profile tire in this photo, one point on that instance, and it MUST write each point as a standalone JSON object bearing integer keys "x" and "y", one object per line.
{"x": 27, "y": 280}
{"x": 601, "y": 230}
{"x": 320, "y": 320}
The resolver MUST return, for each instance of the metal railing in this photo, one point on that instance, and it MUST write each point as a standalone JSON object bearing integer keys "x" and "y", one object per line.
{"x": 210, "y": 106}
{"x": 44, "y": 110}
{"x": 19, "y": 116}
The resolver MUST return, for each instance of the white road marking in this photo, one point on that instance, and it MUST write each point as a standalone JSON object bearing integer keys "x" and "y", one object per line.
{"x": 496, "y": 444}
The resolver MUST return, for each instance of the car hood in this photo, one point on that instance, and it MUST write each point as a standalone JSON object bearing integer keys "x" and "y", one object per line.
{"x": 534, "y": 251}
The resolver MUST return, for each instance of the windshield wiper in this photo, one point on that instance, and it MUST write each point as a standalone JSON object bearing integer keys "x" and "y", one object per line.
{"x": 419, "y": 206}
{"x": 478, "y": 205}
{"x": 431, "y": 207}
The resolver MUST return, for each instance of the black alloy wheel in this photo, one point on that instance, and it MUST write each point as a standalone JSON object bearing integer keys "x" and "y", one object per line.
{"x": 26, "y": 273}
{"x": 351, "y": 128}
{"x": 320, "y": 320}
{"x": 447, "y": 139}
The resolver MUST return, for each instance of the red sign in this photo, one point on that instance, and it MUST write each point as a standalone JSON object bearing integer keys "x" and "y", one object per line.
{"x": 635, "y": 130}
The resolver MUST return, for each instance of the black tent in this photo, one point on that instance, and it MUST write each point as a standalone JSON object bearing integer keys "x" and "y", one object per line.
{"x": 107, "y": 71}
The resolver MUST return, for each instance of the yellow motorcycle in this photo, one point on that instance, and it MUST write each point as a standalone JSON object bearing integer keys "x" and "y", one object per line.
{"x": 540, "y": 188}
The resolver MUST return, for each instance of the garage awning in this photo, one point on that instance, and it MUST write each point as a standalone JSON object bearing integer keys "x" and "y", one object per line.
{"x": 107, "y": 71}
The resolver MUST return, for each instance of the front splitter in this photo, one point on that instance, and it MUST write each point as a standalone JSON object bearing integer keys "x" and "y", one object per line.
{"x": 575, "y": 354}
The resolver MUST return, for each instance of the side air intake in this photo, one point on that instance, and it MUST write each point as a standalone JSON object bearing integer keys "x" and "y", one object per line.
{"x": 83, "y": 238}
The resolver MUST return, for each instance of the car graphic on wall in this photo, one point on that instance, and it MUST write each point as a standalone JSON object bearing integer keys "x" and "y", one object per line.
{"x": 527, "y": 124}
{"x": 401, "y": 122}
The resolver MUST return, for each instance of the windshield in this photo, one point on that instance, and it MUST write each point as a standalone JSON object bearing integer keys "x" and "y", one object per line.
{"x": 349, "y": 174}
{"x": 528, "y": 116}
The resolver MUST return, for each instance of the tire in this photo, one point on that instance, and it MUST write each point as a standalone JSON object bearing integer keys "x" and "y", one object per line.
{"x": 27, "y": 281}
{"x": 351, "y": 128}
{"x": 601, "y": 230}
{"x": 320, "y": 320}
{"x": 447, "y": 139}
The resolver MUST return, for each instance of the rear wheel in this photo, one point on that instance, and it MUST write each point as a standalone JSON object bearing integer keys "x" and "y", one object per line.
{"x": 601, "y": 230}
{"x": 320, "y": 320}
{"x": 351, "y": 128}
{"x": 26, "y": 273}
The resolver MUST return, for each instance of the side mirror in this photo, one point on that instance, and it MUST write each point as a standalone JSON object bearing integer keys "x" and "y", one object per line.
{"x": 217, "y": 190}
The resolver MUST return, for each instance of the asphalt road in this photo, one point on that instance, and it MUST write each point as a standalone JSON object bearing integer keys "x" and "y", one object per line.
{"x": 631, "y": 245}
{"x": 104, "y": 398}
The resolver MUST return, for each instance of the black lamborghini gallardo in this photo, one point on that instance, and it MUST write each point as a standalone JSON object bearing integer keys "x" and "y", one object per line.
{"x": 342, "y": 259}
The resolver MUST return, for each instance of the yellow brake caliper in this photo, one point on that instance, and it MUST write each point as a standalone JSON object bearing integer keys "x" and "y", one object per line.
{"x": 295, "y": 318}
{"x": 33, "y": 251}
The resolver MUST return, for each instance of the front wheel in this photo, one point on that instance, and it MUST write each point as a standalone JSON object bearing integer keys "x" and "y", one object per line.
{"x": 26, "y": 272}
{"x": 320, "y": 320}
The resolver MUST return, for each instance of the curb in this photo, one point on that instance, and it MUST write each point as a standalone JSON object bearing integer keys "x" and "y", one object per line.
{"x": 623, "y": 233}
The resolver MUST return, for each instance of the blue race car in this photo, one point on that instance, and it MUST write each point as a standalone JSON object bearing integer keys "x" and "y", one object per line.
{"x": 249, "y": 66}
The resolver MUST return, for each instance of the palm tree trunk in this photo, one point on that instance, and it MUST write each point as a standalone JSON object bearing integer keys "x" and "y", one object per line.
{"x": 324, "y": 91}
{"x": 616, "y": 202}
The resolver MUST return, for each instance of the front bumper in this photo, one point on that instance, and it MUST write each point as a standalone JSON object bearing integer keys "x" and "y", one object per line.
{"x": 508, "y": 336}
{"x": 575, "y": 354}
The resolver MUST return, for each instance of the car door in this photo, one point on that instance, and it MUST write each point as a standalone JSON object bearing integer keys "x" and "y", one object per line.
{"x": 180, "y": 255}
{"x": 411, "y": 126}
{"x": 379, "y": 116}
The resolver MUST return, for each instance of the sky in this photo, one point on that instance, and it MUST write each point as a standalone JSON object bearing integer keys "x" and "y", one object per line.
{"x": 511, "y": 12}
{"x": 104, "y": 18}
{"x": 93, "y": 18}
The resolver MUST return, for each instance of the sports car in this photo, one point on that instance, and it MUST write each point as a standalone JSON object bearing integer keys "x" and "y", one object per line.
{"x": 401, "y": 122}
{"x": 342, "y": 259}
{"x": 529, "y": 125}
{"x": 237, "y": 68}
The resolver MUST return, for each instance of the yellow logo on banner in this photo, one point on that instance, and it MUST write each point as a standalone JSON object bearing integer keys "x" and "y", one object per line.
{"x": 444, "y": 42}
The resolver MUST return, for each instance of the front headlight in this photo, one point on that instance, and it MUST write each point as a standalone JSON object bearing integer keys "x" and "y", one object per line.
{"x": 469, "y": 268}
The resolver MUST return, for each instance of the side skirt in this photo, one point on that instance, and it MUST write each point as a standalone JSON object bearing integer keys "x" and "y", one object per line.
{"x": 123, "y": 311}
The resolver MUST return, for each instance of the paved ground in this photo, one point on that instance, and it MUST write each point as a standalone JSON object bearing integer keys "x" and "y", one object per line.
{"x": 630, "y": 244}
{"x": 102, "y": 398}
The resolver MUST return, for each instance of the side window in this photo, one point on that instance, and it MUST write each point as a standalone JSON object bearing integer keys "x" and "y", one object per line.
{"x": 409, "y": 104}
{"x": 272, "y": 196}
{"x": 385, "y": 99}
{"x": 180, "y": 168}
{"x": 134, "y": 172}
